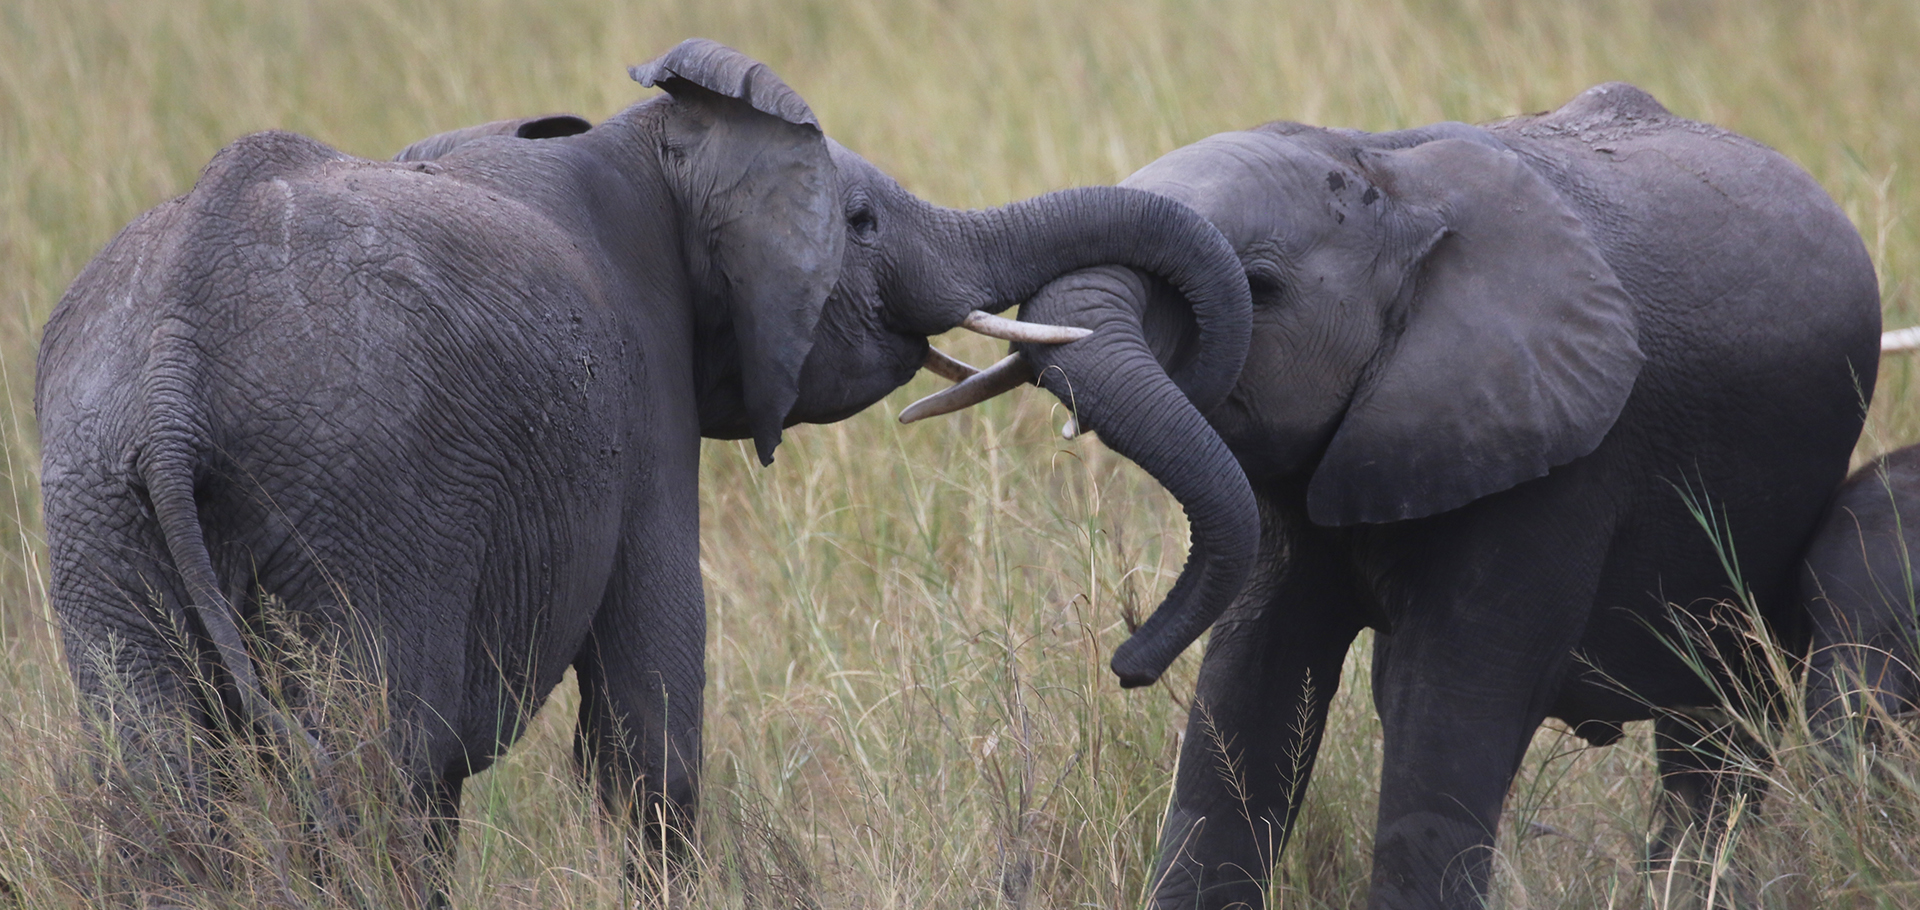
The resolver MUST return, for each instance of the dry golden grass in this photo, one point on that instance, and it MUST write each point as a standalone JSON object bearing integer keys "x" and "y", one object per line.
{"x": 908, "y": 703}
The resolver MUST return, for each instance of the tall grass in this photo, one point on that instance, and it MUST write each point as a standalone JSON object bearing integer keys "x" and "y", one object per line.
{"x": 908, "y": 703}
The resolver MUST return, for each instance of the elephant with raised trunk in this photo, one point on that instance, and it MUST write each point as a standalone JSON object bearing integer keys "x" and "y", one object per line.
{"x": 1500, "y": 377}
{"x": 457, "y": 401}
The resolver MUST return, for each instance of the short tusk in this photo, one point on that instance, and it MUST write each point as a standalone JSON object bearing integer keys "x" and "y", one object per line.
{"x": 1014, "y": 330}
{"x": 1071, "y": 428}
{"x": 1901, "y": 340}
{"x": 939, "y": 364}
{"x": 1011, "y": 372}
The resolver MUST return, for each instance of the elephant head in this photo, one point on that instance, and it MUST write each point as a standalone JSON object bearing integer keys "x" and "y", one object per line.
{"x": 1431, "y": 324}
{"x": 837, "y": 274}
{"x": 819, "y": 277}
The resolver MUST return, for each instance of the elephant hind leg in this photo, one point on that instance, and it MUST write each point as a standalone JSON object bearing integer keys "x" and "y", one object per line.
{"x": 1702, "y": 781}
{"x": 641, "y": 672}
{"x": 140, "y": 672}
{"x": 441, "y": 799}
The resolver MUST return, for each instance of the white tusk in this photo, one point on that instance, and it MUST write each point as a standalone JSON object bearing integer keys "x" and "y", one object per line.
{"x": 945, "y": 367}
{"x": 1071, "y": 428}
{"x": 1011, "y": 372}
{"x": 1014, "y": 330}
{"x": 1901, "y": 340}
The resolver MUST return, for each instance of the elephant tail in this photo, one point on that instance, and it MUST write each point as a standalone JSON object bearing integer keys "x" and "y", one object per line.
{"x": 168, "y": 466}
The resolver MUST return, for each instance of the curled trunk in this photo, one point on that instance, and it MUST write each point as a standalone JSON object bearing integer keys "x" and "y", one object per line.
{"x": 1117, "y": 388}
{"x": 1018, "y": 248}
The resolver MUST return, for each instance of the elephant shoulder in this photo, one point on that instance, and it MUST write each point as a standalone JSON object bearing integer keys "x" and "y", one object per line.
{"x": 1612, "y": 102}
{"x": 1607, "y": 110}
{"x": 1616, "y": 118}
{"x": 1694, "y": 209}
{"x": 545, "y": 126}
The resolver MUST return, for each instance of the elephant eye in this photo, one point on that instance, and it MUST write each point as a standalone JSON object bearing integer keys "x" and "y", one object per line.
{"x": 863, "y": 223}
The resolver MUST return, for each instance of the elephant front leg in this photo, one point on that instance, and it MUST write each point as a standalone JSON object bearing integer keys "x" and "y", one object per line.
{"x": 641, "y": 673}
{"x": 1272, "y": 667}
{"x": 1491, "y": 609}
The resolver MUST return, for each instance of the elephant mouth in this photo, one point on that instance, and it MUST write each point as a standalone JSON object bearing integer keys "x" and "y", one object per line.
{"x": 973, "y": 385}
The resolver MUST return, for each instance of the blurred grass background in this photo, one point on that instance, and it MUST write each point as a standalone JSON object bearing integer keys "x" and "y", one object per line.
{"x": 908, "y": 701}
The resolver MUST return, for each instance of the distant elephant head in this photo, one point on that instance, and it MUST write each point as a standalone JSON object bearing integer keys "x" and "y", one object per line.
{"x": 821, "y": 277}
{"x": 1431, "y": 325}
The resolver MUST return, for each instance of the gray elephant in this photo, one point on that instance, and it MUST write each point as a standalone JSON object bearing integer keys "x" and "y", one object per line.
{"x": 1858, "y": 584}
{"x": 1503, "y": 382}
{"x": 457, "y": 401}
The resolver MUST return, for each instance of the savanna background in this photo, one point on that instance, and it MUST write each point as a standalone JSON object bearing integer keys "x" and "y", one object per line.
{"x": 908, "y": 704}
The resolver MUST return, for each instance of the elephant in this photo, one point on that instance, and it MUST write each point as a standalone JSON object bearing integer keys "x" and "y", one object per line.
{"x": 1517, "y": 397}
{"x": 457, "y": 401}
{"x": 1857, "y": 583}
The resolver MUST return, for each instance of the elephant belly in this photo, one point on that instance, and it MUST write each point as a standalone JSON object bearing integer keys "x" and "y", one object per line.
{"x": 1726, "y": 496}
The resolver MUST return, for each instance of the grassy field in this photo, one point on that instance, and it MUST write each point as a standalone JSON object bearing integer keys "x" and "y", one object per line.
{"x": 908, "y": 702}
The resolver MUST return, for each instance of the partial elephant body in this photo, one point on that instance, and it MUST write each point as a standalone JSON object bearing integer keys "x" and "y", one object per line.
{"x": 409, "y": 399}
{"x": 1858, "y": 584}
{"x": 1505, "y": 385}
{"x": 455, "y": 403}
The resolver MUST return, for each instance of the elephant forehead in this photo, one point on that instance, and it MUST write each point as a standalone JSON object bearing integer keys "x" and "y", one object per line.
{"x": 1253, "y": 185}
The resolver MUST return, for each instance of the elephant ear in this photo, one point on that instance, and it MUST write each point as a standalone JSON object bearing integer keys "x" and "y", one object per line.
{"x": 1517, "y": 352}
{"x": 758, "y": 197}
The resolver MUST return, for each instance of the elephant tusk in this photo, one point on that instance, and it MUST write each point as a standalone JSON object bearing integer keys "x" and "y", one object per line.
{"x": 1014, "y": 330}
{"x": 1010, "y": 372}
{"x": 940, "y": 364}
{"x": 1071, "y": 428}
{"x": 1901, "y": 340}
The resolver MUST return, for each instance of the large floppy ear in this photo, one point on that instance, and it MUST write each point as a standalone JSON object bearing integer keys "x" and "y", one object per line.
{"x": 758, "y": 197}
{"x": 1517, "y": 350}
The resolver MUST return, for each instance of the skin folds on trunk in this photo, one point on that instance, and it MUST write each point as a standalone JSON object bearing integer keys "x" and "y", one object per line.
{"x": 1115, "y": 386}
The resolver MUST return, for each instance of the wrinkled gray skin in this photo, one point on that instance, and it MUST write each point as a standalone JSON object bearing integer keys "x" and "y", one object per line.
{"x": 457, "y": 403}
{"x": 1858, "y": 585}
{"x": 1489, "y": 367}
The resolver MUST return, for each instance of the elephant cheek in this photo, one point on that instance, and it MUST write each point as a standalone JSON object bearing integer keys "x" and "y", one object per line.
{"x": 844, "y": 375}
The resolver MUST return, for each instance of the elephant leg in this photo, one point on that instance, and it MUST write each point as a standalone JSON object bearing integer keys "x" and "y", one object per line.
{"x": 1492, "y": 611}
{"x": 1701, "y": 782}
{"x": 1272, "y": 666}
{"x": 129, "y": 645}
{"x": 442, "y": 801}
{"x": 641, "y": 674}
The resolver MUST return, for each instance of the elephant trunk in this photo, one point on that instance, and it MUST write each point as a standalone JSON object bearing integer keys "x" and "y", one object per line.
{"x": 1020, "y": 247}
{"x": 1115, "y": 386}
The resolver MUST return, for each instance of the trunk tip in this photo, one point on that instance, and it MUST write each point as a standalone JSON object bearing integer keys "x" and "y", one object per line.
{"x": 1132, "y": 676}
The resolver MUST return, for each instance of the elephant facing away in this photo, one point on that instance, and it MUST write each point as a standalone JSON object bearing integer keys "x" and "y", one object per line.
{"x": 1499, "y": 379}
{"x": 457, "y": 401}
{"x": 1858, "y": 586}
